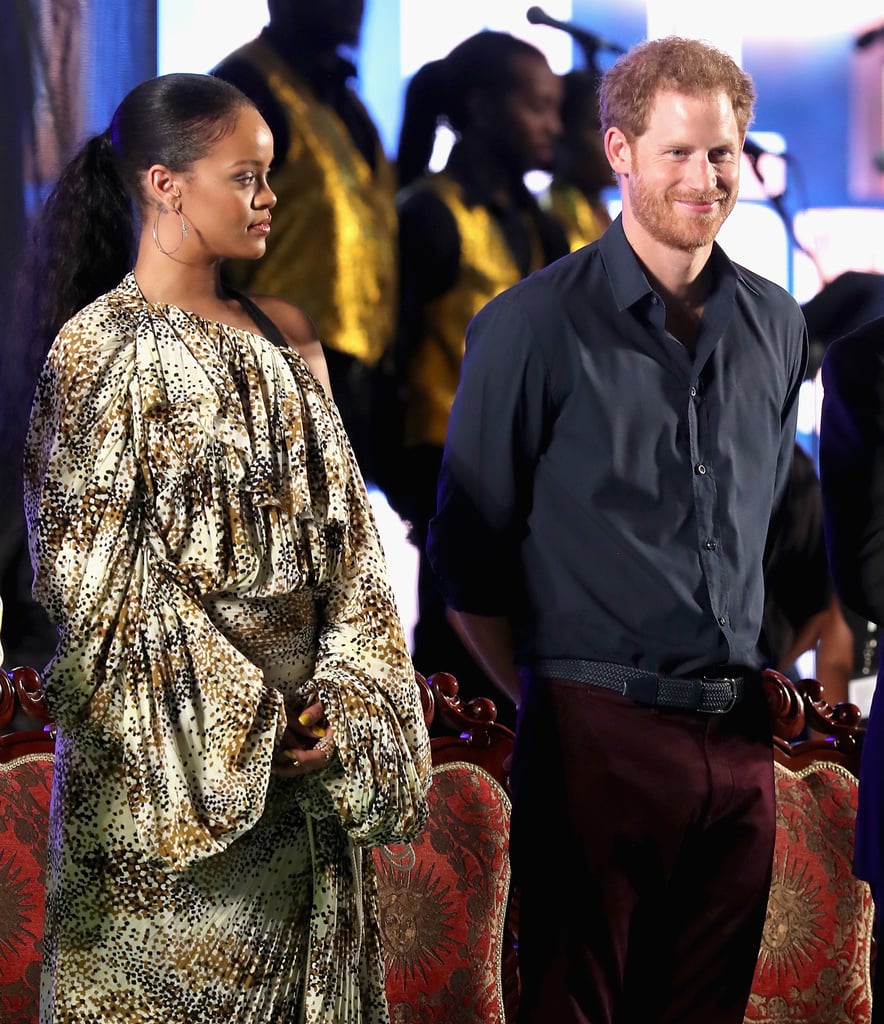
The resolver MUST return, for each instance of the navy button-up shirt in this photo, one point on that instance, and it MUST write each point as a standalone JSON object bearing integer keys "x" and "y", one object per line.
{"x": 604, "y": 489}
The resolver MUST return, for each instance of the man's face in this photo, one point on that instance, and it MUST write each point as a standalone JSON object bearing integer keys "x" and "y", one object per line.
{"x": 683, "y": 174}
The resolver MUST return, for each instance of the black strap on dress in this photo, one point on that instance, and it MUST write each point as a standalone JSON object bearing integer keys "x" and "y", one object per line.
{"x": 267, "y": 327}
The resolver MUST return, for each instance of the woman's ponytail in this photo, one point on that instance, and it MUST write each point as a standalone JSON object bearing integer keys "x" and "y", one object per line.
{"x": 83, "y": 242}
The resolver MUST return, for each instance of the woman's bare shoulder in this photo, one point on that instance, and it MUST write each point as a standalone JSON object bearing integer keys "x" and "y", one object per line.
{"x": 299, "y": 331}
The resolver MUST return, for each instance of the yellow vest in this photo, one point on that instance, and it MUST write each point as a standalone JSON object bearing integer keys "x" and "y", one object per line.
{"x": 332, "y": 250}
{"x": 487, "y": 268}
{"x": 583, "y": 222}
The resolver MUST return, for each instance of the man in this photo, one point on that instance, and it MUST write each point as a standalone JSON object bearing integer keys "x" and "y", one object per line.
{"x": 581, "y": 172}
{"x": 466, "y": 233}
{"x": 333, "y": 246}
{"x": 620, "y": 439}
{"x": 851, "y": 477}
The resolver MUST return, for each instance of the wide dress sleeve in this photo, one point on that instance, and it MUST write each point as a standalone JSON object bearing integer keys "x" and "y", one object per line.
{"x": 156, "y": 481}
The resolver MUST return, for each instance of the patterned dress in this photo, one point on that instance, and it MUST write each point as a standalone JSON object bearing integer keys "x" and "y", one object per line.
{"x": 201, "y": 534}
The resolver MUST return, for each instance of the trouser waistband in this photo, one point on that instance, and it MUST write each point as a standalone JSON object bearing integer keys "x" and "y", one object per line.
{"x": 713, "y": 695}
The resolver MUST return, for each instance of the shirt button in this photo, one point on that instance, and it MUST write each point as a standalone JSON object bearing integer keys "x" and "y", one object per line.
{"x": 709, "y": 545}
{"x": 693, "y": 392}
{"x": 701, "y": 469}
{"x": 721, "y": 620}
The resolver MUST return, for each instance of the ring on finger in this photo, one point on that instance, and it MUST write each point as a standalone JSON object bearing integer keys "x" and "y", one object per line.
{"x": 327, "y": 746}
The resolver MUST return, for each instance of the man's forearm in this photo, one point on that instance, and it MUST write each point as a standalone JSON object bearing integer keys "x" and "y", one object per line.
{"x": 489, "y": 639}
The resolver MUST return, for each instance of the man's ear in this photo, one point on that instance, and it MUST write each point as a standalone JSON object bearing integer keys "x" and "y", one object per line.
{"x": 162, "y": 185}
{"x": 618, "y": 151}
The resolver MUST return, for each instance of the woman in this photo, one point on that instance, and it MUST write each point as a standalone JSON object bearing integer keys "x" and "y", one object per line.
{"x": 237, "y": 711}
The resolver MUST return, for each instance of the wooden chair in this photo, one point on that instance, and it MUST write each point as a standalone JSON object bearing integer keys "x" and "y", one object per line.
{"x": 814, "y": 961}
{"x": 447, "y": 913}
{"x": 449, "y": 919}
{"x": 815, "y": 956}
{"x": 27, "y": 744}
{"x": 444, "y": 899}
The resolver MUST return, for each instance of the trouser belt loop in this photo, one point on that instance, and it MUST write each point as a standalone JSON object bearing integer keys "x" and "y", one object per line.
{"x": 713, "y": 695}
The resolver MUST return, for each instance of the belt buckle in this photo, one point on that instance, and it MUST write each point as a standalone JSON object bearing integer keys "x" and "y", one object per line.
{"x": 732, "y": 683}
{"x": 642, "y": 689}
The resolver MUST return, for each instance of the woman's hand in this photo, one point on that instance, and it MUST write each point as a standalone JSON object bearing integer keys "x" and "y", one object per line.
{"x": 307, "y": 744}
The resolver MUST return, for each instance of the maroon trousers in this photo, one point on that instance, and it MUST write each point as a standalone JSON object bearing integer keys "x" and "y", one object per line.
{"x": 642, "y": 844}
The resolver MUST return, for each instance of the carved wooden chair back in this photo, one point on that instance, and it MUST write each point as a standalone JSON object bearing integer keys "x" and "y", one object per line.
{"x": 27, "y": 745}
{"x": 815, "y": 956}
{"x": 448, "y": 917}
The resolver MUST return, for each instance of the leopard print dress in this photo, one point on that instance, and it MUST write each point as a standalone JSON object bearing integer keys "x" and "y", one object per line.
{"x": 201, "y": 534}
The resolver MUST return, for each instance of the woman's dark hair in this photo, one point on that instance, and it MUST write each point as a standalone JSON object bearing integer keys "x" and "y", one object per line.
{"x": 441, "y": 89}
{"x": 84, "y": 239}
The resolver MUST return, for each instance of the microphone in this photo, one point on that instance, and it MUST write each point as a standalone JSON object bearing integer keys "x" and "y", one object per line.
{"x": 754, "y": 151}
{"x": 589, "y": 41}
{"x": 865, "y": 39}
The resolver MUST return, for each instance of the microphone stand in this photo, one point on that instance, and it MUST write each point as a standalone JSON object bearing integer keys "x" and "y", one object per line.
{"x": 777, "y": 202}
{"x": 591, "y": 58}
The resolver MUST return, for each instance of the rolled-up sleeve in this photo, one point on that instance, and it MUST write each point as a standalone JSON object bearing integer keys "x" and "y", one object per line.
{"x": 495, "y": 435}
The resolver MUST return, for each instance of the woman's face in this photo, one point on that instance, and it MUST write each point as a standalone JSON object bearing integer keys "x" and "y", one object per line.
{"x": 225, "y": 197}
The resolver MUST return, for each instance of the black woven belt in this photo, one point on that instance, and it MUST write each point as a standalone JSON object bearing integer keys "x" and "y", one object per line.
{"x": 714, "y": 695}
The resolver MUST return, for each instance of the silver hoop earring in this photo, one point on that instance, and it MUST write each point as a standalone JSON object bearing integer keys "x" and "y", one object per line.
{"x": 155, "y": 231}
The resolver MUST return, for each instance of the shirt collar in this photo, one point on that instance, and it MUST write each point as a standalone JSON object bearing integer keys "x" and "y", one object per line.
{"x": 628, "y": 282}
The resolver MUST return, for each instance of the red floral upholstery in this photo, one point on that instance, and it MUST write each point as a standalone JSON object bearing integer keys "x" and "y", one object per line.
{"x": 443, "y": 901}
{"x": 25, "y": 785}
{"x": 813, "y": 966}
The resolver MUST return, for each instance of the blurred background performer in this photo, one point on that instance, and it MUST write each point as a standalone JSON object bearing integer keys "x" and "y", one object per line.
{"x": 581, "y": 172}
{"x": 333, "y": 246}
{"x": 466, "y": 233}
